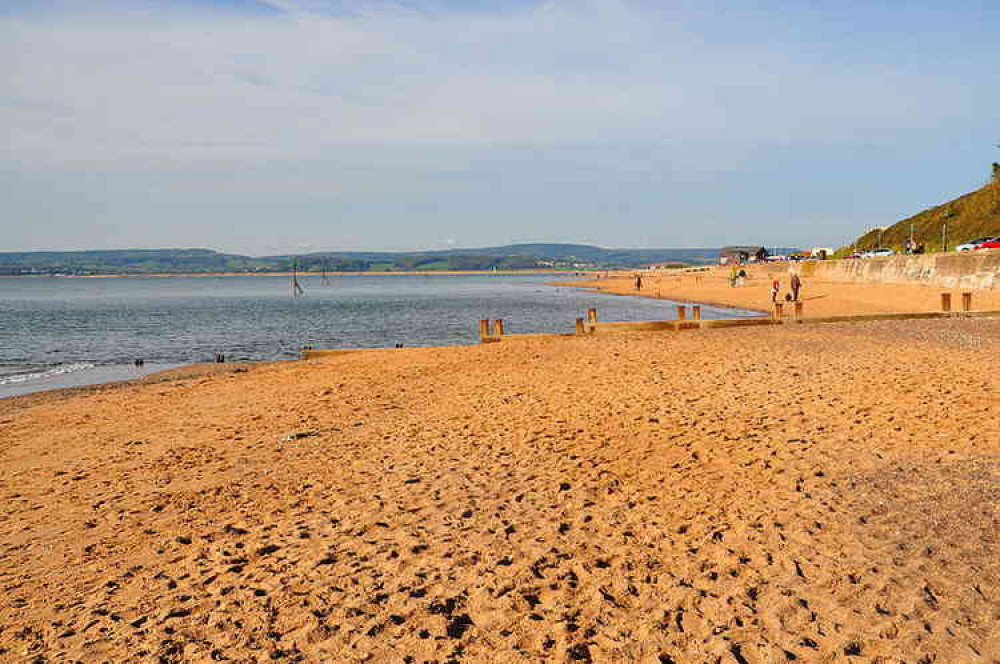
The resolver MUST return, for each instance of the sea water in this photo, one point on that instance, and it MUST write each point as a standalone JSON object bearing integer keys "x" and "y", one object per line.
{"x": 62, "y": 331}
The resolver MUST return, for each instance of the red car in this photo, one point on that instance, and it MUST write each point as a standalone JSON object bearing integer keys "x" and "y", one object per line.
{"x": 993, "y": 243}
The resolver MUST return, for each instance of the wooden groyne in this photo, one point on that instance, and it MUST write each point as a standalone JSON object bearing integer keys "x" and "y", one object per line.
{"x": 793, "y": 314}
{"x": 494, "y": 330}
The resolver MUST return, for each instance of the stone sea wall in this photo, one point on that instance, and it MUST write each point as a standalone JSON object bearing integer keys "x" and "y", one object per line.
{"x": 976, "y": 270}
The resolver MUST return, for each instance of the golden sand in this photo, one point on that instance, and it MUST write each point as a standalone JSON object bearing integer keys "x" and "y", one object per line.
{"x": 822, "y": 493}
{"x": 819, "y": 298}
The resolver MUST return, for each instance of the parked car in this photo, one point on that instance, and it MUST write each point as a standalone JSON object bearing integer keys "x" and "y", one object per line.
{"x": 882, "y": 251}
{"x": 992, "y": 243}
{"x": 973, "y": 244}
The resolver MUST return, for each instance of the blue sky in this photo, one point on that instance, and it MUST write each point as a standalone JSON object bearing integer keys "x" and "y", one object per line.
{"x": 265, "y": 126}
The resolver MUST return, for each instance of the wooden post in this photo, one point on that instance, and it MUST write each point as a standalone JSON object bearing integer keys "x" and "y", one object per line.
{"x": 945, "y": 301}
{"x": 580, "y": 329}
{"x": 779, "y": 309}
{"x": 591, "y": 315}
{"x": 682, "y": 312}
{"x": 484, "y": 329}
{"x": 798, "y": 309}
{"x": 498, "y": 327}
{"x": 696, "y": 312}
{"x": 966, "y": 301}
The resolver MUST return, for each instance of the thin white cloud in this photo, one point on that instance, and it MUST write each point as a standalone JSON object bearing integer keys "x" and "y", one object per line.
{"x": 305, "y": 83}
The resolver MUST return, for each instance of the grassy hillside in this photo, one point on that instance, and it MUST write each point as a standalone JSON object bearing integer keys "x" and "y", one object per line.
{"x": 512, "y": 257}
{"x": 976, "y": 214}
{"x": 125, "y": 261}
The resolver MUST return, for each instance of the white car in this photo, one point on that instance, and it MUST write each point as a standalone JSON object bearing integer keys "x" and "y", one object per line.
{"x": 972, "y": 244}
{"x": 875, "y": 253}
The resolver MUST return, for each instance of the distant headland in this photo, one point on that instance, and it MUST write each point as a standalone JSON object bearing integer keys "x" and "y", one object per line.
{"x": 208, "y": 261}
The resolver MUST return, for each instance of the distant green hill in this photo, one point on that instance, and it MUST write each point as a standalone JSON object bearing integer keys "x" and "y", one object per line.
{"x": 127, "y": 261}
{"x": 510, "y": 257}
{"x": 976, "y": 214}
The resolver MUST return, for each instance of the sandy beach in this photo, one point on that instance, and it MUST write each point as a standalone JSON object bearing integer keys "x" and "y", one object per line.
{"x": 819, "y": 298}
{"x": 816, "y": 493}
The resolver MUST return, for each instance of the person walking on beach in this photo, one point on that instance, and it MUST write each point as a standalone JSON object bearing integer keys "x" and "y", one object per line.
{"x": 796, "y": 286}
{"x": 775, "y": 287}
{"x": 638, "y": 282}
{"x": 732, "y": 277}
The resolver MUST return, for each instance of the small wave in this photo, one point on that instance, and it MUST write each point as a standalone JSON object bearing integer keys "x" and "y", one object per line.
{"x": 39, "y": 375}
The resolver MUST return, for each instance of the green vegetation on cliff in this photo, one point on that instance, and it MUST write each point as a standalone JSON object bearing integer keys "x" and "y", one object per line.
{"x": 974, "y": 215}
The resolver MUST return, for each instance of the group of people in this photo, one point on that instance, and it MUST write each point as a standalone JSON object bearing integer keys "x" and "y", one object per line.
{"x": 738, "y": 277}
{"x": 795, "y": 284}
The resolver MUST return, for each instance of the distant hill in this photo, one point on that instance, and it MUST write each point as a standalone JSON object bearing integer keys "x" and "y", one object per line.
{"x": 126, "y": 261}
{"x": 976, "y": 214}
{"x": 515, "y": 256}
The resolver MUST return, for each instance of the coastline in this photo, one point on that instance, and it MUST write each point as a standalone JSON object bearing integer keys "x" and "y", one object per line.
{"x": 83, "y": 374}
{"x": 623, "y": 288}
{"x": 819, "y": 298}
{"x": 331, "y": 275}
{"x": 169, "y": 373}
{"x": 700, "y": 286}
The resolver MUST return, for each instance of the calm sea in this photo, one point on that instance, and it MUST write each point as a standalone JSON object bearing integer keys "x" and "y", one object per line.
{"x": 59, "y": 332}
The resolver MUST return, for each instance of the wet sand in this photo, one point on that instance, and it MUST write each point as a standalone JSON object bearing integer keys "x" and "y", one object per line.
{"x": 85, "y": 377}
{"x": 817, "y": 494}
{"x": 819, "y": 298}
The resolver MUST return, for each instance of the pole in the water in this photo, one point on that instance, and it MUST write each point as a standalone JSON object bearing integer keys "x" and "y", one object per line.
{"x": 296, "y": 288}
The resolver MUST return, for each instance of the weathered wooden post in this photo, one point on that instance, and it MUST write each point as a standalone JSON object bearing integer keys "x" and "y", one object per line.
{"x": 696, "y": 312}
{"x": 966, "y": 301}
{"x": 798, "y": 309}
{"x": 591, "y": 315}
{"x": 580, "y": 329}
{"x": 484, "y": 329}
{"x": 945, "y": 301}
{"x": 498, "y": 327}
{"x": 779, "y": 309}
{"x": 682, "y": 312}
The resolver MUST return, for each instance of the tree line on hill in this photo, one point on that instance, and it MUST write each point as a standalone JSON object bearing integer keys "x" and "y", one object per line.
{"x": 200, "y": 261}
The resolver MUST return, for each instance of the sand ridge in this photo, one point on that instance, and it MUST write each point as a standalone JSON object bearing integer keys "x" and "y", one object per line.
{"x": 816, "y": 494}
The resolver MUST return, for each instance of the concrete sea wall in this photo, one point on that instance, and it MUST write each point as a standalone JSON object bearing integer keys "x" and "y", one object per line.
{"x": 976, "y": 270}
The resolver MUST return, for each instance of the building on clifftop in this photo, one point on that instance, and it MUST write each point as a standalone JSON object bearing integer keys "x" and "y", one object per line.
{"x": 742, "y": 254}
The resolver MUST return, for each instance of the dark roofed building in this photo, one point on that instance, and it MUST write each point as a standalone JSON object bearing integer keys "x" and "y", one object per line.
{"x": 742, "y": 254}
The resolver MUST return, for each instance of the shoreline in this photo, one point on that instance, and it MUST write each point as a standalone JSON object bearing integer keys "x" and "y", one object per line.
{"x": 331, "y": 275}
{"x": 74, "y": 387}
{"x": 685, "y": 286}
{"x": 171, "y": 373}
{"x": 594, "y": 286}
{"x": 819, "y": 298}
